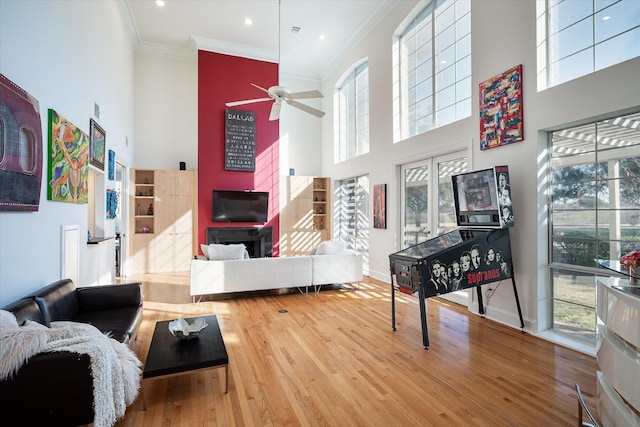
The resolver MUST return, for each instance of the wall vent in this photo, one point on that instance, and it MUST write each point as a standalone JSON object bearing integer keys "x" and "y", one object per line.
{"x": 295, "y": 30}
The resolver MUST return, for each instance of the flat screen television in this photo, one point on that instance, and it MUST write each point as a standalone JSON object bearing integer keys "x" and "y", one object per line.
{"x": 240, "y": 206}
{"x": 483, "y": 198}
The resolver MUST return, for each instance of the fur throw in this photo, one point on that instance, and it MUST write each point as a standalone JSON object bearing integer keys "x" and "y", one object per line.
{"x": 114, "y": 367}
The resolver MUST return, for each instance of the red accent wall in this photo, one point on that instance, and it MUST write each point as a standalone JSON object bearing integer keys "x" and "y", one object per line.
{"x": 225, "y": 78}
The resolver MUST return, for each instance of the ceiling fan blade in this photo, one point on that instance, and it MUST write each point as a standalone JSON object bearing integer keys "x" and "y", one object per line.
{"x": 275, "y": 111}
{"x": 246, "y": 101}
{"x": 305, "y": 95}
{"x": 259, "y": 87}
{"x": 305, "y": 108}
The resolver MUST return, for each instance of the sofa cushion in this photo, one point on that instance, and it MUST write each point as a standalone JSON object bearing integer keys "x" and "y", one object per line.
{"x": 113, "y": 322}
{"x": 330, "y": 247}
{"x": 345, "y": 267}
{"x": 25, "y": 309}
{"x": 221, "y": 252}
{"x": 58, "y": 301}
{"x": 108, "y": 297}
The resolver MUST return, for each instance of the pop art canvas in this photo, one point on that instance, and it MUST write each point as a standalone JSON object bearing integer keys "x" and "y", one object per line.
{"x": 20, "y": 148}
{"x": 68, "y": 171}
{"x": 501, "y": 109}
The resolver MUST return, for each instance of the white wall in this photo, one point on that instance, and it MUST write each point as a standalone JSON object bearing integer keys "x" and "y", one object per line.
{"x": 166, "y": 94}
{"x": 500, "y": 41}
{"x": 300, "y": 132}
{"x": 166, "y": 112}
{"x": 67, "y": 54}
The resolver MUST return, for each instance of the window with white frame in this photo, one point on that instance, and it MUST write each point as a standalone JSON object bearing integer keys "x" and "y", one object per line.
{"x": 594, "y": 213}
{"x": 575, "y": 38}
{"x": 352, "y": 112}
{"x": 432, "y": 68}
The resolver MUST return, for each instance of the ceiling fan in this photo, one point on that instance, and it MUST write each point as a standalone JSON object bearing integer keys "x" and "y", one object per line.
{"x": 277, "y": 94}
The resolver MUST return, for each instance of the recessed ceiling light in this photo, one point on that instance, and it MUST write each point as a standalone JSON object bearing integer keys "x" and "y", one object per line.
{"x": 248, "y": 21}
{"x": 322, "y": 37}
{"x": 160, "y": 3}
{"x": 606, "y": 18}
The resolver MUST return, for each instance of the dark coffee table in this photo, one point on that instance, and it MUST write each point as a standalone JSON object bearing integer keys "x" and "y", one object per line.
{"x": 169, "y": 356}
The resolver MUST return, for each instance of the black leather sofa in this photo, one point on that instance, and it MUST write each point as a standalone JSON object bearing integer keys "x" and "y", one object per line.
{"x": 56, "y": 389}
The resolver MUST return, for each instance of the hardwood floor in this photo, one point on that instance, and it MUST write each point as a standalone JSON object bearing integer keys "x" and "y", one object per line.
{"x": 332, "y": 359}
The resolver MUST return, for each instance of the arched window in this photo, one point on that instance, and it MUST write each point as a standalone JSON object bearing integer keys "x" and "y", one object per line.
{"x": 352, "y": 114}
{"x": 432, "y": 68}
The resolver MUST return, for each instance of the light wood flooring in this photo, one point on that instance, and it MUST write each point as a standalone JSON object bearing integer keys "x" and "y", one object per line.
{"x": 332, "y": 360}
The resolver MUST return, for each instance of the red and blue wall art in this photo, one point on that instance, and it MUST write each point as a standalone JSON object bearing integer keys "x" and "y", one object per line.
{"x": 501, "y": 109}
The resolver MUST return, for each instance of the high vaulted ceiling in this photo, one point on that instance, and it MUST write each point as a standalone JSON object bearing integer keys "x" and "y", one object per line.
{"x": 181, "y": 27}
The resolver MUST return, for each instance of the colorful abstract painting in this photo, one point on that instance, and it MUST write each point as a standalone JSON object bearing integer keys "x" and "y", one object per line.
{"x": 20, "y": 148}
{"x": 68, "y": 171}
{"x": 501, "y": 109}
{"x": 111, "y": 164}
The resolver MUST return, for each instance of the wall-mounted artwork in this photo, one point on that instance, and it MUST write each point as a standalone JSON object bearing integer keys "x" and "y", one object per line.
{"x": 501, "y": 109}
{"x": 68, "y": 171}
{"x": 97, "y": 144}
{"x": 380, "y": 206}
{"x": 20, "y": 148}
{"x": 113, "y": 198}
{"x": 240, "y": 140}
{"x": 111, "y": 165}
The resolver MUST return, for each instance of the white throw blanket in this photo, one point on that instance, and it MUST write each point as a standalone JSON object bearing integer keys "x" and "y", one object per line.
{"x": 114, "y": 367}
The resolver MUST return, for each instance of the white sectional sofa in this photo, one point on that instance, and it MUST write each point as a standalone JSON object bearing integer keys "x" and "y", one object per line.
{"x": 225, "y": 276}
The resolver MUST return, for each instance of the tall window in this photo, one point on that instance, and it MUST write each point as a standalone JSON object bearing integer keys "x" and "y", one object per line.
{"x": 352, "y": 111}
{"x": 576, "y": 38}
{"x": 594, "y": 213}
{"x": 432, "y": 69}
{"x": 351, "y": 213}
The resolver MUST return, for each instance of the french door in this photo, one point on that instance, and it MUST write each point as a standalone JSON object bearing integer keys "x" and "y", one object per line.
{"x": 427, "y": 206}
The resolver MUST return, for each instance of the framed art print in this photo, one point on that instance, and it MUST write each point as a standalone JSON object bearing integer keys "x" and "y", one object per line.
{"x": 380, "y": 206}
{"x": 97, "y": 145}
{"x": 111, "y": 165}
{"x": 68, "y": 170}
{"x": 501, "y": 120}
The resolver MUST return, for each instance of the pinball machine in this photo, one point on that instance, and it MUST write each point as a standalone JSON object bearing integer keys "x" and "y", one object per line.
{"x": 477, "y": 253}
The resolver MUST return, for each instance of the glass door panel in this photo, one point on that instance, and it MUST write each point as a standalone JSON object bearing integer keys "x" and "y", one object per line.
{"x": 415, "y": 203}
{"x": 447, "y": 167}
{"x": 446, "y": 206}
{"x": 428, "y": 208}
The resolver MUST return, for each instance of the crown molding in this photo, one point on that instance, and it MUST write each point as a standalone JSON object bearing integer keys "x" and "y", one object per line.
{"x": 363, "y": 30}
{"x": 235, "y": 49}
{"x": 128, "y": 22}
{"x": 166, "y": 51}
